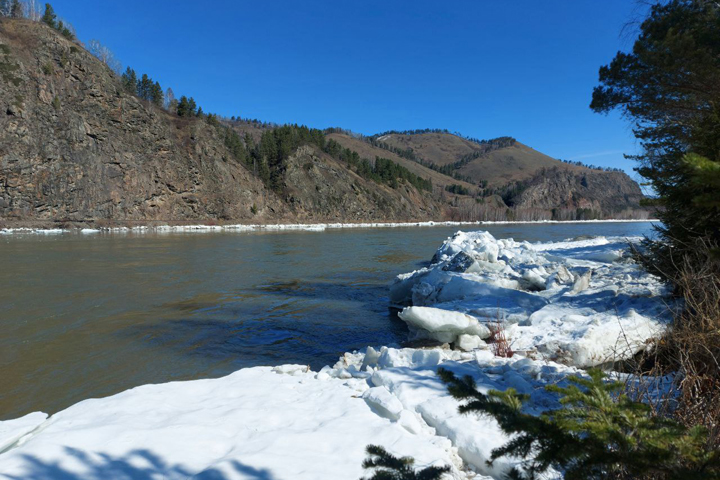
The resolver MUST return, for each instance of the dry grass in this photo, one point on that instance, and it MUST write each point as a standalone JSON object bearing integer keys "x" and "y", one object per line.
{"x": 689, "y": 352}
{"x": 693, "y": 343}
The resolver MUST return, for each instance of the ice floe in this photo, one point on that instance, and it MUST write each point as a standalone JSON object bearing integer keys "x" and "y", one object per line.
{"x": 581, "y": 302}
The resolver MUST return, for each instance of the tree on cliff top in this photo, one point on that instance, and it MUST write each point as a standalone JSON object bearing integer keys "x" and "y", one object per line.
{"x": 49, "y": 16}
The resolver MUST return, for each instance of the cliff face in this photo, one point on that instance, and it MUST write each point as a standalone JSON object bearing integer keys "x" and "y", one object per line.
{"x": 610, "y": 192}
{"x": 320, "y": 187}
{"x": 74, "y": 146}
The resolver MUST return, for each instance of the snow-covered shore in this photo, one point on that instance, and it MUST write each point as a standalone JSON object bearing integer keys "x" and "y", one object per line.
{"x": 277, "y": 423}
{"x": 310, "y": 227}
{"x": 288, "y": 422}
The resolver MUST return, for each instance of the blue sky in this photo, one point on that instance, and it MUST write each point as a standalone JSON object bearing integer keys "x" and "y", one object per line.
{"x": 524, "y": 68}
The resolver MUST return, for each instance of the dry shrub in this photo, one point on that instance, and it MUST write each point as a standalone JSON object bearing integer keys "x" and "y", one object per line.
{"x": 689, "y": 351}
{"x": 693, "y": 342}
{"x": 500, "y": 344}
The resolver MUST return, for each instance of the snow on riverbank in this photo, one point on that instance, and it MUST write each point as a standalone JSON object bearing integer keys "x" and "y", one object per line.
{"x": 309, "y": 227}
{"x": 283, "y": 423}
{"x": 581, "y": 302}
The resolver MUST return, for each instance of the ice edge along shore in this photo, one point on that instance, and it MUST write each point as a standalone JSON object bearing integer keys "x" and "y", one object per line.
{"x": 311, "y": 227}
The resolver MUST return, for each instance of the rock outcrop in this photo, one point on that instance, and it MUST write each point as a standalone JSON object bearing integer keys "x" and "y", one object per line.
{"x": 609, "y": 192}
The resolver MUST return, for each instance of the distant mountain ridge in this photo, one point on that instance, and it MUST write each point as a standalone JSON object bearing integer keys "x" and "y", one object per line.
{"x": 77, "y": 148}
{"x": 517, "y": 174}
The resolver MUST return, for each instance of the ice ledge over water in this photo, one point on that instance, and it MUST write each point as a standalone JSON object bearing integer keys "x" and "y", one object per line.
{"x": 580, "y": 302}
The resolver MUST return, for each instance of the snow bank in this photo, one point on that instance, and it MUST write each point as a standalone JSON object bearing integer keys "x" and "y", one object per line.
{"x": 280, "y": 423}
{"x": 581, "y": 302}
{"x": 255, "y": 423}
{"x": 11, "y": 431}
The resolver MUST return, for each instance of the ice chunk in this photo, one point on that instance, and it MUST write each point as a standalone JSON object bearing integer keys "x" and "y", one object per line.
{"x": 560, "y": 277}
{"x": 469, "y": 342}
{"x": 371, "y": 358}
{"x": 291, "y": 369}
{"x": 582, "y": 282}
{"x": 443, "y": 325}
{"x": 410, "y": 422}
{"x": 383, "y": 402}
{"x": 462, "y": 262}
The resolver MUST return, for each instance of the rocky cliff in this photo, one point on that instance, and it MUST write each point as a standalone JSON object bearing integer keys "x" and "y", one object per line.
{"x": 611, "y": 192}
{"x": 75, "y": 147}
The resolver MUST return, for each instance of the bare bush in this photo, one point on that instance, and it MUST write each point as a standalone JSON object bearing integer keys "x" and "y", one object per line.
{"x": 693, "y": 342}
{"x": 689, "y": 352}
{"x": 499, "y": 341}
{"x": 33, "y": 10}
{"x": 105, "y": 55}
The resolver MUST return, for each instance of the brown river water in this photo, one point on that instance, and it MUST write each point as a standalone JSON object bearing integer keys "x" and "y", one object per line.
{"x": 85, "y": 316}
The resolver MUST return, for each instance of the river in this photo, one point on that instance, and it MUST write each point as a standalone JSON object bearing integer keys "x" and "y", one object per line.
{"x": 86, "y": 316}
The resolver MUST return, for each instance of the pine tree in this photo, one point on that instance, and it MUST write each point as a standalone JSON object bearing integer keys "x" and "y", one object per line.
{"x": 156, "y": 94}
{"x": 65, "y": 31}
{"x": 186, "y": 107}
{"x": 212, "y": 119}
{"x": 200, "y": 113}
{"x": 192, "y": 107}
{"x": 145, "y": 87}
{"x": 130, "y": 81}
{"x": 182, "y": 109}
{"x": 667, "y": 86}
{"x": 389, "y": 467}
{"x": 49, "y": 17}
{"x": 598, "y": 433}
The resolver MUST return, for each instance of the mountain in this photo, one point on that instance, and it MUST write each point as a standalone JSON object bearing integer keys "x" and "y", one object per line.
{"x": 77, "y": 148}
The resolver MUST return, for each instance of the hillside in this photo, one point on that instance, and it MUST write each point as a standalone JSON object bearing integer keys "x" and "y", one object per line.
{"x": 369, "y": 151}
{"x": 524, "y": 177}
{"x": 497, "y": 166}
{"x": 77, "y": 147}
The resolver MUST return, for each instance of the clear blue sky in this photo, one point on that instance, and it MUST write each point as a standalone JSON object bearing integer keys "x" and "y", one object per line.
{"x": 524, "y": 68}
